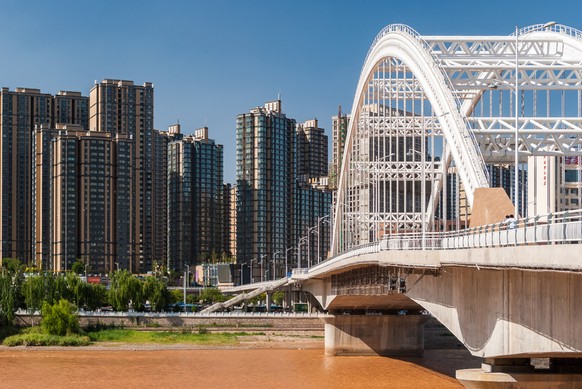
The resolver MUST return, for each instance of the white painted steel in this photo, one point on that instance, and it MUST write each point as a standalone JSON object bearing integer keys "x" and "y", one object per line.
{"x": 471, "y": 85}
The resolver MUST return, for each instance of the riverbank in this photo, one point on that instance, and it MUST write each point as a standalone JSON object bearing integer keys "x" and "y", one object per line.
{"x": 443, "y": 353}
{"x": 264, "y": 340}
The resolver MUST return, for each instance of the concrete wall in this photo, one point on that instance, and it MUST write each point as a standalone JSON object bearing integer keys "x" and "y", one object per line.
{"x": 506, "y": 312}
{"x": 143, "y": 320}
{"x": 374, "y": 335}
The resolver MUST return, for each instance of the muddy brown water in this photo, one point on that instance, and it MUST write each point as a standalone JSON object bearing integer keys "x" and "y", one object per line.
{"x": 220, "y": 368}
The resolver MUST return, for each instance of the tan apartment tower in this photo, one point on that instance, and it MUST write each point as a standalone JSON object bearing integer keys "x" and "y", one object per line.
{"x": 121, "y": 108}
{"x": 21, "y": 111}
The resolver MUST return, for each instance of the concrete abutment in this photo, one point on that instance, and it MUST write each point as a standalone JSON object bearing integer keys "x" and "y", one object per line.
{"x": 386, "y": 335}
{"x": 510, "y": 373}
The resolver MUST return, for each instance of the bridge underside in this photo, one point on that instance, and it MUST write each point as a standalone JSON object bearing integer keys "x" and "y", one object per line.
{"x": 384, "y": 303}
{"x": 494, "y": 312}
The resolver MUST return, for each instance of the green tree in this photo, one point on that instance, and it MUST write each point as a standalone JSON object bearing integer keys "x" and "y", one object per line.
{"x": 212, "y": 295}
{"x": 96, "y": 297}
{"x": 59, "y": 319}
{"x": 125, "y": 288}
{"x": 257, "y": 299}
{"x": 9, "y": 292}
{"x": 78, "y": 267}
{"x": 278, "y": 297}
{"x": 12, "y": 265}
{"x": 176, "y": 295}
{"x": 33, "y": 291}
{"x": 156, "y": 291}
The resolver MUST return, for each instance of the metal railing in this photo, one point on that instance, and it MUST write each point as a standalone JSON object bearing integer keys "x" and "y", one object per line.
{"x": 553, "y": 228}
{"x": 559, "y": 28}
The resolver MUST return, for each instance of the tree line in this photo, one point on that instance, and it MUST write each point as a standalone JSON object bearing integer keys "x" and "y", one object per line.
{"x": 28, "y": 290}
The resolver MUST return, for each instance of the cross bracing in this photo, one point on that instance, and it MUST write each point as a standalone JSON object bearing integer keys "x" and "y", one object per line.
{"x": 428, "y": 106}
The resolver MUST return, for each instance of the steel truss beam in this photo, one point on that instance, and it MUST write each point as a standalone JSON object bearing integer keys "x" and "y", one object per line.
{"x": 458, "y": 92}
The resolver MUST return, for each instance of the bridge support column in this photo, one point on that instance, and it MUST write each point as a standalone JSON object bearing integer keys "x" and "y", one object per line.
{"x": 268, "y": 301}
{"x": 374, "y": 335}
{"x": 508, "y": 373}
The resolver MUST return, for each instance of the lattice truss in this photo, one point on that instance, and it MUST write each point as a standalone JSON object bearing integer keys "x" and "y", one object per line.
{"x": 482, "y": 72}
{"x": 394, "y": 177}
{"x": 398, "y": 142}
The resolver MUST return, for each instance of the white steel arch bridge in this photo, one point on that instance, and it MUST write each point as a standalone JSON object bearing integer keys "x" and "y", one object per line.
{"x": 431, "y": 112}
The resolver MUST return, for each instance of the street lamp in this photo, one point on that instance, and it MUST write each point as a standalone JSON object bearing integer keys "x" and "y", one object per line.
{"x": 186, "y": 274}
{"x": 516, "y": 170}
{"x": 252, "y": 273}
{"x": 422, "y": 193}
{"x": 299, "y": 251}
{"x": 319, "y": 220}
{"x": 286, "y": 261}
{"x": 309, "y": 231}
{"x": 263, "y": 266}
{"x": 274, "y": 264}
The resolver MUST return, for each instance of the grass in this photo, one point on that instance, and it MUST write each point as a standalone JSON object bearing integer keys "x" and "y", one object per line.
{"x": 166, "y": 337}
{"x": 241, "y": 325}
{"x": 38, "y": 339}
{"x": 34, "y": 336}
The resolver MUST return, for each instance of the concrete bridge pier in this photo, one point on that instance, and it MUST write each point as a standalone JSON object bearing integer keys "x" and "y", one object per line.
{"x": 510, "y": 373}
{"x": 386, "y": 335}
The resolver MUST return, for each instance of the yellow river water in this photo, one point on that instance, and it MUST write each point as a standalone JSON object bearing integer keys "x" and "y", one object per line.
{"x": 250, "y": 368}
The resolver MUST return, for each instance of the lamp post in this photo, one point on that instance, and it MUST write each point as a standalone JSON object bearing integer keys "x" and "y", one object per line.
{"x": 422, "y": 193}
{"x": 274, "y": 263}
{"x": 186, "y": 274}
{"x": 516, "y": 167}
{"x": 309, "y": 231}
{"x": 286, "y": 260}
{"x": 299, "y": 251}
{"x": 319, "y": 220}
{"x": 252, "y": 274}
{"x": 262, "y": 266}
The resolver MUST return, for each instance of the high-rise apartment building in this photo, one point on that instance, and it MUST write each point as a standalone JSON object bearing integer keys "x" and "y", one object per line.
{"x": 195, "y": 200}
{"x": 21, "y": 111}
{"x": 311, "y": 150}
{"x": 570, "y": 184}
{"x": 265, "y": 176}
{"x": 122, "y": 108}
{"x": 81, "y": 201}
{"x": 312, "y": 197}
{"x": 232, "y": 221}
{"x": 161, "y": 141}
{"x": 339, "y": 131}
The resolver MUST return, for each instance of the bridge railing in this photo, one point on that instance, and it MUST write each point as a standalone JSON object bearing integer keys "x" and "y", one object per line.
{"x": 561, "y": 227}
{"x": 553, "y": 228}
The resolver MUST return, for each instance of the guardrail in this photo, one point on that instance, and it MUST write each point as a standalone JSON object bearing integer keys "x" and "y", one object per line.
{"x": 553, "y": 228}
{"x": 82, "y": 313}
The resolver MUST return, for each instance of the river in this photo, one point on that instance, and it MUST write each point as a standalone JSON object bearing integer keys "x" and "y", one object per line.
{"x": 247, "y": 368}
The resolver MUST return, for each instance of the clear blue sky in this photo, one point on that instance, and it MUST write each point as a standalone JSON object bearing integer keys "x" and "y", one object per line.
{"x": 211, "y": 60}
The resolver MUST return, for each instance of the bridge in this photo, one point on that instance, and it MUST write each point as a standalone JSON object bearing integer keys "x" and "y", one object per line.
{"x": 448, "y": 136}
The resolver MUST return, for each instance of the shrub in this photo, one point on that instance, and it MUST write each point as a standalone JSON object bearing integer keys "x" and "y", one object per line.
{"x": 202, "y": 330}
{"x": 59, "y": 319}
{"x": 36, "y": 339}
